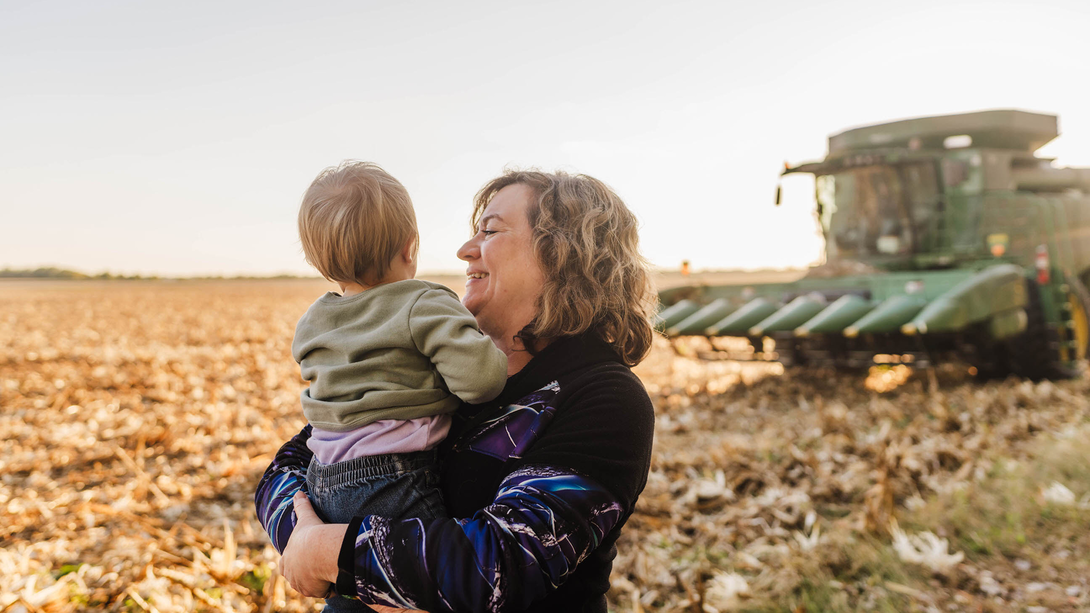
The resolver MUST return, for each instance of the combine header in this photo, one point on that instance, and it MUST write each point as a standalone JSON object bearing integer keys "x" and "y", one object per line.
{"x": 946, "y": 239}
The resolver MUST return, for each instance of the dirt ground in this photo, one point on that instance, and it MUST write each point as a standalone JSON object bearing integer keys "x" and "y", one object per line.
{"x": 138, "y": 416}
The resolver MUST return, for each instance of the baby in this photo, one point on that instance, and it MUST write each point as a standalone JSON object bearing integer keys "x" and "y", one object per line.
{"x": 387, "y": 359}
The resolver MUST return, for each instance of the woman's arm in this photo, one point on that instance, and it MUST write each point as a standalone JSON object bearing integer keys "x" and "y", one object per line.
{"x": 509, "y": 555}
{"x": 311, "y": 570}
{"x": 282, "y": 479}
{"x": 543, "y": 523}
{"x": 545, "y": 519}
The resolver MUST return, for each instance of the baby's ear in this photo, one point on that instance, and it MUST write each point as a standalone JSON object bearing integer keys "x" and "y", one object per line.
{"x": 408, "y": 252}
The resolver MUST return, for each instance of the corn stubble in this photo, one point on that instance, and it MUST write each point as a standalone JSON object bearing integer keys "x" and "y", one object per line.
{"x": 137, "y": 418}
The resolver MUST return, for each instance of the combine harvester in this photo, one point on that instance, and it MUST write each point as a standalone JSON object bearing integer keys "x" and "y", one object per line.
{"x": 946, "y": 239}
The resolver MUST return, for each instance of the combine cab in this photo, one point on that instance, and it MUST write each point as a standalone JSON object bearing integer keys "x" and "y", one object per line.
{"x": 946, "y": 239}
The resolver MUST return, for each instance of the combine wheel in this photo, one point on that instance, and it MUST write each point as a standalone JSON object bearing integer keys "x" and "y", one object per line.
{"x": 1038, "y": 352}
{"x": 1079, "y": 299}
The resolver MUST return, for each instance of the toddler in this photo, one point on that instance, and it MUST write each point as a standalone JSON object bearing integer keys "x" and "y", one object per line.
{"x": 387, "y": 359}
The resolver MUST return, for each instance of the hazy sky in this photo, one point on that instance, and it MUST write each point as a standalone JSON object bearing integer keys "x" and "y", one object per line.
{"x": 177, "y": 138}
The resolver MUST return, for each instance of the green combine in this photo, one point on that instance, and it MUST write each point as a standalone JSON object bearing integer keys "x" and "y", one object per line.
{"x": 946, "y": 239}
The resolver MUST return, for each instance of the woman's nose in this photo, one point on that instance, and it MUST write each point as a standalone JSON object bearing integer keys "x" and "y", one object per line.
{"x": 469, "y": 251}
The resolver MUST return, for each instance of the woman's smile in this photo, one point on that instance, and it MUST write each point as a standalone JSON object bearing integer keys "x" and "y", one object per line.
{"x": 503, "y": 277}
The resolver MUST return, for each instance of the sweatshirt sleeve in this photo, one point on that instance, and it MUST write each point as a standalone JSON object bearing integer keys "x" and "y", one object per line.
{"x": 545, "y": 519}
{"x": 471, "y": 365}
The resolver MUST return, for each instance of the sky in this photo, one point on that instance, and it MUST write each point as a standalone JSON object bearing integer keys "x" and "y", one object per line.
{"x": 178, "y": 138}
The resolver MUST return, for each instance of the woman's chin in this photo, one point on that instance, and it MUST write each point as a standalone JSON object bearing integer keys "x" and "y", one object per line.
{"x": 472, "y": 304}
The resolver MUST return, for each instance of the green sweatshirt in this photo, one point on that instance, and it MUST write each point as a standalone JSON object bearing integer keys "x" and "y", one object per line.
{"x": 396, "y": 351}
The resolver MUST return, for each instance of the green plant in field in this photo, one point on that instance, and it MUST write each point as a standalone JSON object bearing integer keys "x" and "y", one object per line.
{"x": 1006, "y": 514}
{"x": 77, "y": 597}
{"x": 256, "y": 579}
{"x": 845, "y": 572}
{"x": 66, "y": 569}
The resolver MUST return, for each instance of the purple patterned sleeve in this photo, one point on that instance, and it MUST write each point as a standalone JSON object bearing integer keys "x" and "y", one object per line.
{"x": 541, "y": 525}
{"x": 286, "y": 475}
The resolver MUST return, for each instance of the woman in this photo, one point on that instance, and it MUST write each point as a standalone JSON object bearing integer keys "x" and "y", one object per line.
{"x": 539, "y": 481}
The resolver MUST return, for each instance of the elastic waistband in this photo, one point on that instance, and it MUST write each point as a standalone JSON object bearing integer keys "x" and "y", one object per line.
{"x": 386, "y": 465}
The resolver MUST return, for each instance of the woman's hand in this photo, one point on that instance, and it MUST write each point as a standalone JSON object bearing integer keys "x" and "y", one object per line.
{"x": 309, "y": 561}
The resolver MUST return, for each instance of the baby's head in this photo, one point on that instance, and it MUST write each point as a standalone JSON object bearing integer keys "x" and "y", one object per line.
{"x": 355, "y": 222}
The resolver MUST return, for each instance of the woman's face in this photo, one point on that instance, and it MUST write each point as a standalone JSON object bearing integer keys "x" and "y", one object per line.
{"x": 504, "y": 277}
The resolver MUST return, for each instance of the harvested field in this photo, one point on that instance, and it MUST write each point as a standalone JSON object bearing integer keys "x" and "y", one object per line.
{"x": 665, "y": 279}
{"x": 138, "y": 416}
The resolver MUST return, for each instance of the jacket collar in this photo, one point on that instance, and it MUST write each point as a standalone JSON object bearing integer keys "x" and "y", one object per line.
{"x": 562, "y": 356}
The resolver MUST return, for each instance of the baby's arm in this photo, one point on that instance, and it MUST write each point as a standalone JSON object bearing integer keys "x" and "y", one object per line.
{"x": 473, "y": 368}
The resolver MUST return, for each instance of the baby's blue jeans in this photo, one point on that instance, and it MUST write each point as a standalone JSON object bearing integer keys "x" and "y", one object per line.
{"x": 394, "y": 486}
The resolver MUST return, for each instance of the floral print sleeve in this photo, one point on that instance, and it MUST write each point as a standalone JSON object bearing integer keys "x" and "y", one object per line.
{"x": 286, "y": 475}
{"x": 541, "y": 525}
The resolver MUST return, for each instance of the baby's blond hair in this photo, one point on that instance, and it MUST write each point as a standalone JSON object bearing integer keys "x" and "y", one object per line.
{"x": 354, "y": 220}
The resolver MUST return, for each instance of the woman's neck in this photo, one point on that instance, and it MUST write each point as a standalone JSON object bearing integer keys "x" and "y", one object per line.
{"x": 517, "y": 360}
{"x": 517, "y": 355}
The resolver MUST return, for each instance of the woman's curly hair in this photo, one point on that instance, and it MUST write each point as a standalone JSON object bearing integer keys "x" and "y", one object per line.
{"x": 586, "y": 241}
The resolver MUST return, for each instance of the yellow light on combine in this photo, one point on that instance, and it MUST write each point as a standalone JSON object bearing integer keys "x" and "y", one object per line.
{"x": 997, "y": 244}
